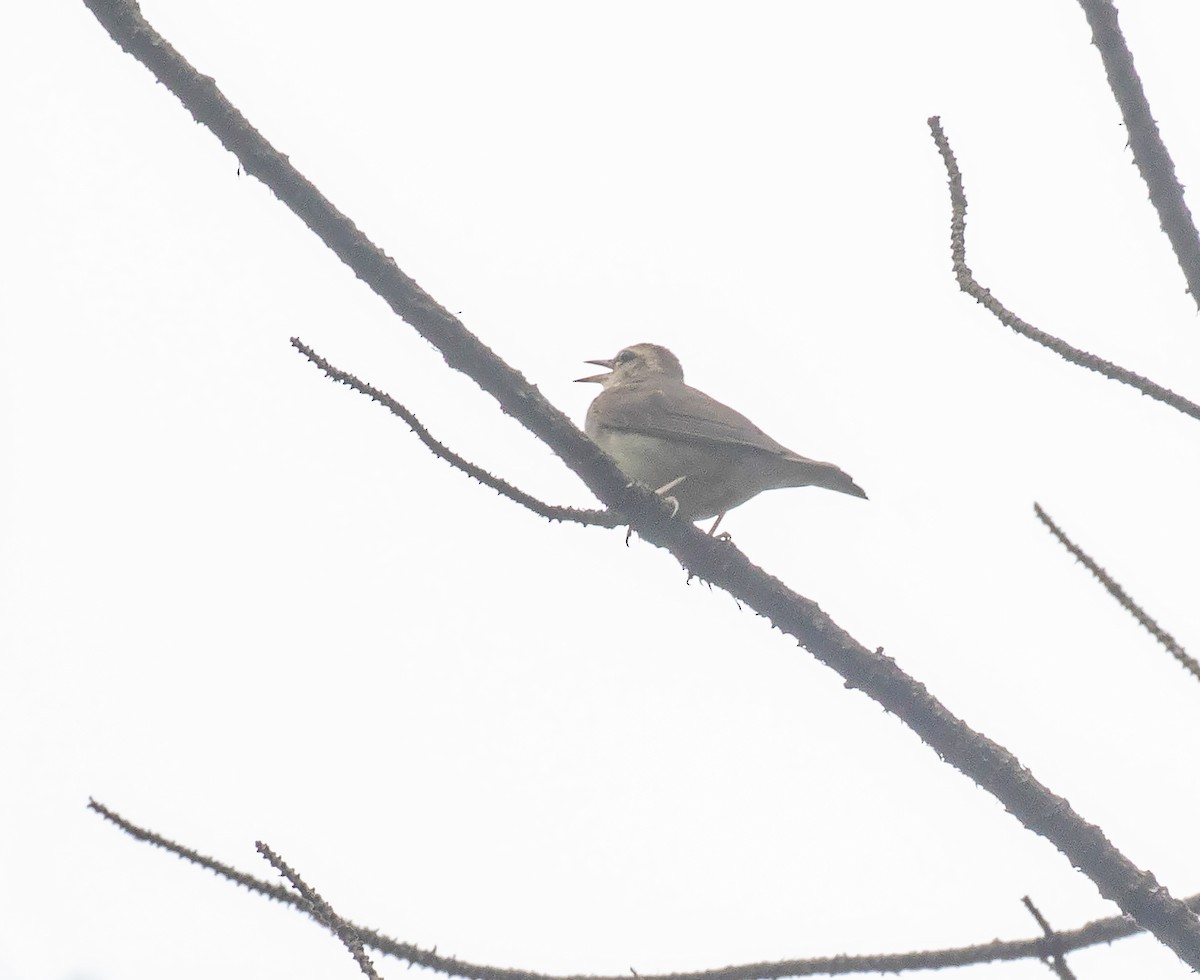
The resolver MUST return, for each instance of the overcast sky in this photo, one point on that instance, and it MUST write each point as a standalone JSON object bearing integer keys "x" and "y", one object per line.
{"x": 238, "y": 601}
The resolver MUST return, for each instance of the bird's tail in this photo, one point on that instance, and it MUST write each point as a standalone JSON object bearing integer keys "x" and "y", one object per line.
{"x": 817, "y": 474}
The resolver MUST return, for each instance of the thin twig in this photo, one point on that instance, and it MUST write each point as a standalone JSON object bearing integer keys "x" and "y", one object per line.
{"x": 1056, "y": 961}
{"x": 596, "y": 518}
{"x": 322, "y": 911}
{"x": 718, "y": 562}
{"x": 971, "y": 286}
{"x": 1149, "y": 151}
{"x": 1166, "y": 639}
{"x": 1091, "y": 934}
{"x": 274, "y": 892}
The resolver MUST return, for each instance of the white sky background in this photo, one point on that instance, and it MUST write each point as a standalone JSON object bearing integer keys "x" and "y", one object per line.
{"x": 238, "y": 601}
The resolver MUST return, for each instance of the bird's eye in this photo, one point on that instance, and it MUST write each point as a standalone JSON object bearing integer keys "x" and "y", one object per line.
{"x": 624, "y": 357}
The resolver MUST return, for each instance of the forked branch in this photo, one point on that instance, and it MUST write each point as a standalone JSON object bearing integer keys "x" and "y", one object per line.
{"x": 322, "y": 911}
{"x": 1057, "y": 961}
{"x": 1041, "y": 947}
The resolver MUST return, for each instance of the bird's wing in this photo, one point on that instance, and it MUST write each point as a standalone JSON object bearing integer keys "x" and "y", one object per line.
{"x": 682, "y": 413}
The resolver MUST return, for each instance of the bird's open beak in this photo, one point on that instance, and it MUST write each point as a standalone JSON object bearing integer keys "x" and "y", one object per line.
{"x": 597, "y": 378}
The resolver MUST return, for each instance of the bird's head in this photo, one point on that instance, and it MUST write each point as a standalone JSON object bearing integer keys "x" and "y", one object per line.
{"x": 636, "y": 363}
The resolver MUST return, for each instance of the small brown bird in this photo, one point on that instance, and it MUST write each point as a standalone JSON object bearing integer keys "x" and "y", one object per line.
{"x": 690, "y": 447}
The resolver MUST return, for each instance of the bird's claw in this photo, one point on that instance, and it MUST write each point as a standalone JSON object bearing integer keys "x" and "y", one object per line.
{"x": 673, "y": 501}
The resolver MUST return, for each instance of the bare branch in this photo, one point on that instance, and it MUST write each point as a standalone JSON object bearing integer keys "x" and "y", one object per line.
{"x": 596, "y": 518}
{"x": 1189, "y": 662}
{"x": 1057, "y": 962}
{"x": 971, "y": 286}
{"x": 322, "y": 911}
{"x": 275, "y": 892}
{"x": 718, "y": 562}
{"x": 1149, "y": 152}
{"x": 1092, "y": 934}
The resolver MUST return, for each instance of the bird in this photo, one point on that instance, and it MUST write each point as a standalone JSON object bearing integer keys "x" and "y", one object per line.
{"x": 693, "y": 450}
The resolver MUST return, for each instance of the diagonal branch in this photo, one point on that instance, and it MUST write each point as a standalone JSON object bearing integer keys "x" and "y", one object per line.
{"x": 971, "y": 286}
{"x": 1149, "y": 152}
{"x": 322, "y": 911}
{"x": 596, "y": 518}
{"x": 1166, "y": 639}
{"x": 1057, "y": 961}
{"x": 990, "y": 765}
{"x": 1092, "y": 934}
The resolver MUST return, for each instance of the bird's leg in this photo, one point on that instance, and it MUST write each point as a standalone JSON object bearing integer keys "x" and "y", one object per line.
{"x": 674, "y": 501}
{"x": 717, "y": 523}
